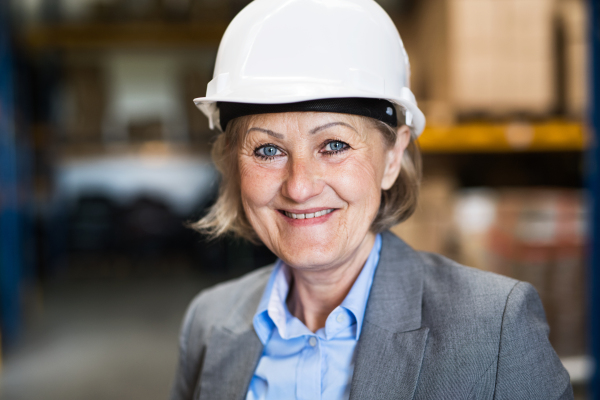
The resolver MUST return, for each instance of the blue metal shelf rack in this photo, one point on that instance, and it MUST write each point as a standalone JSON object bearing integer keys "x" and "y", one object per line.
{"x": 593, "y": 167}
{"x": 10, "y": 208}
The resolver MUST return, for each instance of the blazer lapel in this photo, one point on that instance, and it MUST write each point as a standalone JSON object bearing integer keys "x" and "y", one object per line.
{"x": 388, "y": 365}
{"x": 230, "y": 361}
{"x": 232, "y": 352}
{"x": 392, "y": 342}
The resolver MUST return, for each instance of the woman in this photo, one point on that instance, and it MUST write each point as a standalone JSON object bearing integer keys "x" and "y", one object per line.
{"x": 318, "y": 158}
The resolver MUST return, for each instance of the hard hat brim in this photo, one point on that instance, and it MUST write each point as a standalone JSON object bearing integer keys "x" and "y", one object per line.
{"x": 406, "y": 101}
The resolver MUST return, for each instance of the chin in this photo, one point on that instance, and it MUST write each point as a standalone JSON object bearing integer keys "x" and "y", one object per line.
{"x": 310, "y": 258}
{"x": 311, "y": 251}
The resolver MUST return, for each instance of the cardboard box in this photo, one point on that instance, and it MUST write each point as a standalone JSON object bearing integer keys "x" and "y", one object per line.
{"x": 482, "y": 57}
{"x": 501, "y": 56}
{"x": 537, "y": 236}
{"x": 194, "y": 81}
{"x": 428, "y": 229}
{"x": 86, "y": 103}
{"x": 573, "y": 19}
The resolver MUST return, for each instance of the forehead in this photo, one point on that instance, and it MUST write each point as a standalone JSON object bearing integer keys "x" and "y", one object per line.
{"x": 308, "y": 121}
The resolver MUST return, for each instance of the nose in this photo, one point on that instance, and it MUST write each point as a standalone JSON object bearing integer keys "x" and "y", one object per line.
{"x": 303, "y": 180}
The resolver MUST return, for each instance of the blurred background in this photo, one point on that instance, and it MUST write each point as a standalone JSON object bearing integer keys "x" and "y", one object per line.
{"x": 104, "y": 158}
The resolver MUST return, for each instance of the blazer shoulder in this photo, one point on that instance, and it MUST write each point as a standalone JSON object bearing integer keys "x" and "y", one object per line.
{"x": 494, "y": 327}
{"x": 457, "y": 298}
{"x": 487, "y": 334}
{"x": 440, "y": 275}
{"x": 230, "y": 304}
{"x": 447, "y": 276}
{"x": 213, "y": 304}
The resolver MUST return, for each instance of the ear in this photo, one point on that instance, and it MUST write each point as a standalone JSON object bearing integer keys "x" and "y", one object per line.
{"x": 394, "y": 156}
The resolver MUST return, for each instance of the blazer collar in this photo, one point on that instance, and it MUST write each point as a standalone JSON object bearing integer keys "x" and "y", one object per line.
{"x": 390, "y": 350}
{"x": 395, "y": 298}
{"x": 397, "y": 291}
{"x": 233, "y": 349}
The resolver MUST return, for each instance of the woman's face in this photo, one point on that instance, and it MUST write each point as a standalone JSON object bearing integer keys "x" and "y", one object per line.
{"x": 311, "y": 183}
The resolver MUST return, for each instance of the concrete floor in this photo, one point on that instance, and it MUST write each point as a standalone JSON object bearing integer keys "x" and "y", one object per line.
{"x": 100, "y": 340}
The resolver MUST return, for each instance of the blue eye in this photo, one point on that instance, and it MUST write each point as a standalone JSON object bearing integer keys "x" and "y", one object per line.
{"x": 268, "y": 151}
{"x": 335, "y": 146}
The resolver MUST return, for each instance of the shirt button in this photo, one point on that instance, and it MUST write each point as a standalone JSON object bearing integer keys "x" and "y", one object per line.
{"x": 340, "y": 318}
{"x": 312, "y": 341}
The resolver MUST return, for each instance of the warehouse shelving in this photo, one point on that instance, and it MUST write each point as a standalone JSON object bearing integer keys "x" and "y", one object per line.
{"x": 94, "y": 36}
{"x": 553, "y": 135}
{"x": 485, "y": 136}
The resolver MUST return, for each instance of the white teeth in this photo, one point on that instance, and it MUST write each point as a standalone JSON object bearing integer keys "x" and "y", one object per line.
{"x": 308, "y": 215}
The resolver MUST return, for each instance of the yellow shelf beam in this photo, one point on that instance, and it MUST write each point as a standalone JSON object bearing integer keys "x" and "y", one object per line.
{"x": 511, "y": 137}
{"x": 107, "y": 36}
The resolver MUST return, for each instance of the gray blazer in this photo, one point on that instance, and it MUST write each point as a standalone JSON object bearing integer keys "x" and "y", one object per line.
{"x": 433, "y": 329}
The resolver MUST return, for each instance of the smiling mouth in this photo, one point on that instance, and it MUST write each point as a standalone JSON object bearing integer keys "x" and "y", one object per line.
{"x": 307, "y": 215}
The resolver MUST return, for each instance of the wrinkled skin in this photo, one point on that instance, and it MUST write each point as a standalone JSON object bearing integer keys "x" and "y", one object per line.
{"x": 304, "y": 162}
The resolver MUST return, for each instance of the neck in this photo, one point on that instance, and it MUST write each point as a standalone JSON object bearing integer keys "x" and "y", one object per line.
{"x": 314, "y": 295}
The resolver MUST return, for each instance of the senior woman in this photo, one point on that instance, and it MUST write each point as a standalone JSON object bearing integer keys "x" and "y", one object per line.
{"x": 318, "y": 158}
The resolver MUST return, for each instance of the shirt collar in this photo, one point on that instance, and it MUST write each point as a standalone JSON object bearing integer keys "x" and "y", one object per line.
{"x": 356, "y": 300}
{"x": 272, "y": 311}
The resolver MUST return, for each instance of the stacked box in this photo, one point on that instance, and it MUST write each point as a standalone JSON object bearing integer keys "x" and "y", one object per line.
{"x": 501, "y": 56}
{"x": 428, "y": 229}
{"x": 538, "y": 236}
{"x": 86, "y": 103}
{"x": 573, "y": 18}
{"x": 483, "y": 57}
{"x": 474, "y": 216}
{"x": 194, "y": 82}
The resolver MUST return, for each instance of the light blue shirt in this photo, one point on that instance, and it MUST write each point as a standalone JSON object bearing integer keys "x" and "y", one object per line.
{"x": 299, "y": 364}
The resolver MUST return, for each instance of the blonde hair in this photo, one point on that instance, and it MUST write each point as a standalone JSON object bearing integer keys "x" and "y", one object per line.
{"x": 227, "y": 215}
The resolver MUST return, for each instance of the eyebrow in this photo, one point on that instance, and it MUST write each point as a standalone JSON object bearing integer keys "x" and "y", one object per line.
{"x": 312, "y": 131}
{"x": 329, "y": 125}
{"x": 267, "y": 131}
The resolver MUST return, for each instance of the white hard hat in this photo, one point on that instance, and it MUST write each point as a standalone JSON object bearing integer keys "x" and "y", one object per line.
{"x": 288, "y": 51}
